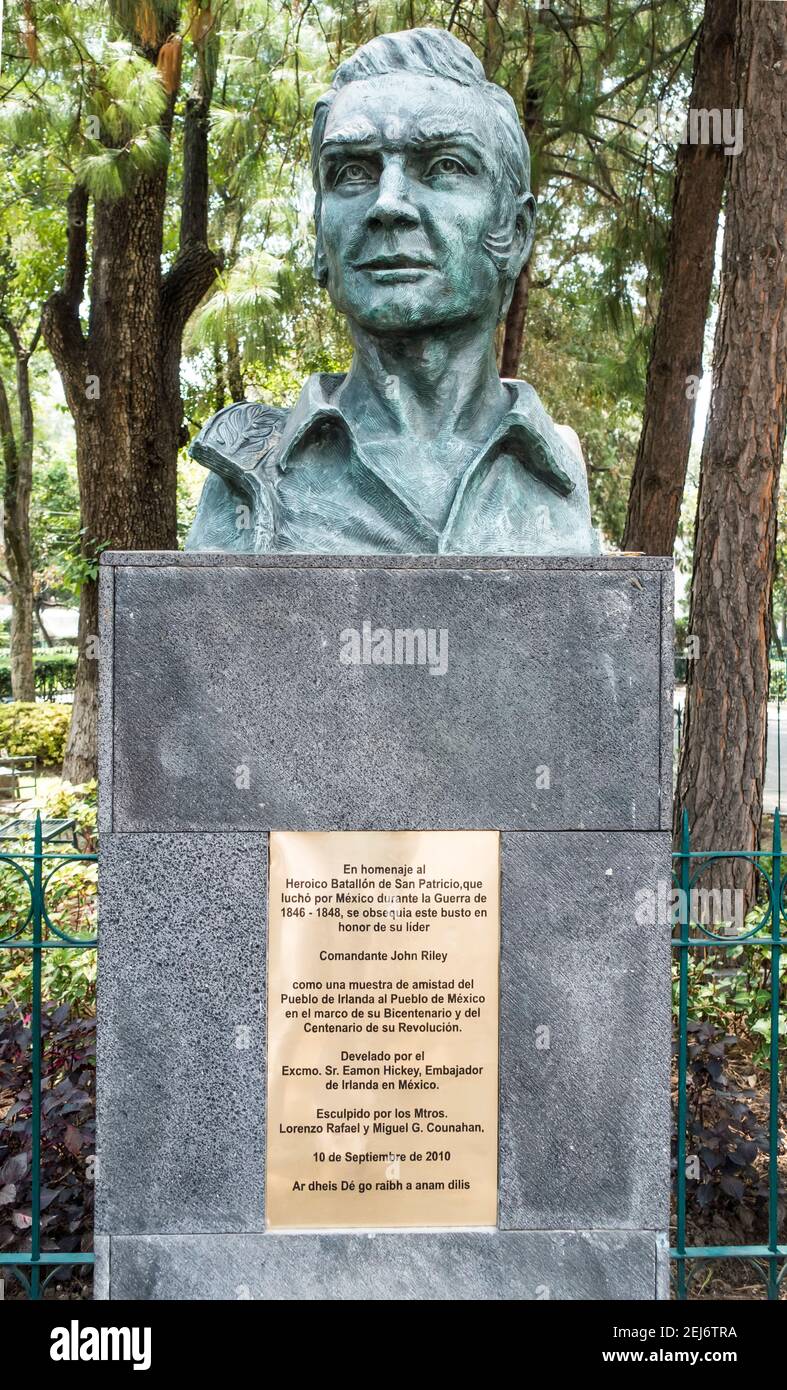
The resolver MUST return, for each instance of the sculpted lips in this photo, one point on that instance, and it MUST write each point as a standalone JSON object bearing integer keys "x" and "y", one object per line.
{"x": 394, "y": 266}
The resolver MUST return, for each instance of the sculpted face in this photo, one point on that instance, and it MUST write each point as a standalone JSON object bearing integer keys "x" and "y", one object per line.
{"x": 411, "y": 185}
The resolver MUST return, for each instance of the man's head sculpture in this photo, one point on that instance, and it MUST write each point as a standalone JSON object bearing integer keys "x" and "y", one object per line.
{"x": 413, "y": 146}
{"x": 424, "y": 220}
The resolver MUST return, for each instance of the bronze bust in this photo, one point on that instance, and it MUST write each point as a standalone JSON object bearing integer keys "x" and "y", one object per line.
{"x": 424, "y": 220}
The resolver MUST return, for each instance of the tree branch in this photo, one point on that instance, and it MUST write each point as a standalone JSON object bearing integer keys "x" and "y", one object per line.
{"x": 76, "y": 253}
{"x": 194, "y": 269}
{"x": 24, "y": 400}
{"x": 194, "y": 200}
{"x": 37, "y": 606}
{"x": 11, "y": 332}
{"x": 184, "y": 285}
{"x": 7, "y": 436}
{"x": 609, "y": 194}
{"x": 60, "y": 324}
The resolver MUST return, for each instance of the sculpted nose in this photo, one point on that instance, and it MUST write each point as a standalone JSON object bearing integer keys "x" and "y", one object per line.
{"x": 392, "y": 205}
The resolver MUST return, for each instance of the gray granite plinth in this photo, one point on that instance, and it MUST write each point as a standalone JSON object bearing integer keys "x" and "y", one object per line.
{"x": 584, "y": 1015}
{"x": 226, "y": 713}
{"x": 181, "y": 1033}
{"x": 548, "y": 667}
{"x": 466, "y": 1265}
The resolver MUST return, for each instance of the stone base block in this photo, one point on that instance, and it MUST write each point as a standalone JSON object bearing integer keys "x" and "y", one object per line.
{"x": 416, "y": 1265}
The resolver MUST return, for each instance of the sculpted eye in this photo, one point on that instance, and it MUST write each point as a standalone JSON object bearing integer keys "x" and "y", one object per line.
{"x": 446, "y": 164}
{"x": 352, "y": 173}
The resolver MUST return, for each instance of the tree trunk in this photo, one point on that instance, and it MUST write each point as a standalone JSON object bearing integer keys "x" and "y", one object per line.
{"x": 16, "y": 506}
{"x": 122, "y": 380}
{"x": 37, "y": 606}
{"x": 219, "y": 387}
{"x": 676, "y": 353}
{"x": 533, "y": 122}
{"x": 23, "y": 681}
{"x": 126, "y": 427}
{"x": 235, "y": 382}
{"x": 80, "y": 762}
{"x": 514, "y": 335}
{"x": 722, "y": 764}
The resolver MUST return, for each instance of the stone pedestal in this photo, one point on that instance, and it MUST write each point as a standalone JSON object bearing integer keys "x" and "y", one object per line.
{"x": 227, "y": 712}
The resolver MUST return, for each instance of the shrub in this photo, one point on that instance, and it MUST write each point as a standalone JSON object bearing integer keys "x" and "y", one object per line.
{"x": 54, "y": 667}
{"x": 68, "y": 976}
{"x": 78, "y": 803}
{"x": 35, "y": 729}
{"x": 67, "y": 1129}
{"x": 727, "y": 1137}
{"x": 727, "y": 1093}
{"x": 777, "y": 689}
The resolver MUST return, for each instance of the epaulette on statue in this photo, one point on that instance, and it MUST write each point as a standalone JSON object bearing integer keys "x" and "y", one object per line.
{"x": 240, "y": 443}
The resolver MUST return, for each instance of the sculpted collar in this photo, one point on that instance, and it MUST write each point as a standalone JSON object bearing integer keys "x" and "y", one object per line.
{"x": 525, "y": 430}
{"x": 257, "y": 450}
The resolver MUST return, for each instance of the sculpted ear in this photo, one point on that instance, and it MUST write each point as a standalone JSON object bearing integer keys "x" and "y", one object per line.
{"x": 526, "y": 230}
{"x": 320, "y": 265}
{"x": 521, "y": 247}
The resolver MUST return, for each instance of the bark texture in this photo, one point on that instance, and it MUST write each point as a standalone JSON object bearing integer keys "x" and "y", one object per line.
{"x": 17, "y": 488}
{"x": 676, "y": 353}
{"x": 516, "y": 318}
{"x": 722, "y": 766}
{"x": 532, "y": 120}
{"x": 122, "y": 377}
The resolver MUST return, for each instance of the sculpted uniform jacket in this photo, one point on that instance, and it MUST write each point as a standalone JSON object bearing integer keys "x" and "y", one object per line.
{"x": 298, "y": 481}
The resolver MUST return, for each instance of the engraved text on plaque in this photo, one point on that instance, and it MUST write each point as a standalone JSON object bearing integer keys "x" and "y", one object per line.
{"x": 383, "y": 954}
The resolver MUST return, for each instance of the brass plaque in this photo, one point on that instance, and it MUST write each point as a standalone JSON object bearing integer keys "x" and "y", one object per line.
{"x": 383, "y": 987}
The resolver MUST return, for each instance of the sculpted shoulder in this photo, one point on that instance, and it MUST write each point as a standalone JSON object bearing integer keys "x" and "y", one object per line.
{"x": 553, "y": 451}
{"x": 240, "y": 440}
{"x": 240, "y": 446}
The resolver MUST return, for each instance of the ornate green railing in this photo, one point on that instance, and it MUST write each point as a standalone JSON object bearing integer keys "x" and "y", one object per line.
{"x": 692, "y": 936}
{"x": 36, "y": 932}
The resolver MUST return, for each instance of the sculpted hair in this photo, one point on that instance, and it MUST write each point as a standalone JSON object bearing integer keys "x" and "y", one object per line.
{"x": 436, "y": 53}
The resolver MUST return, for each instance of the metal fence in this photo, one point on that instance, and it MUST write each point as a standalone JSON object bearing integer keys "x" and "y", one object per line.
{"x": 37, "y": 933}
{"x": 694, "y": 936}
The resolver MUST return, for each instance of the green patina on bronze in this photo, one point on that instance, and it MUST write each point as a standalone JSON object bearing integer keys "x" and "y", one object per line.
{"x": 424, "y": 220}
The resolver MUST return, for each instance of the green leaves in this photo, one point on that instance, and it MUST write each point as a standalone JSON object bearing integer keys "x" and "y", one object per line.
{"x": 22, "y": 124}
{"x": 102, "y": 174}
{"x": 123, "y": 135}
{"x": 237, "y": 305}
{"x": 99, "y": 112}
{"x": 81, "y": 559}
{"x": 67, "y": 1114}
{"x": 35, "y": 729}
{"x": 131, "y": 94}
{"x": 111, "y": 173}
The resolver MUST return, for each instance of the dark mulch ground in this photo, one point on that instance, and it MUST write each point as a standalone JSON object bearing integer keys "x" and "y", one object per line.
{"x": 732, "y": 1108}
{"x": 727, "y": 1203}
